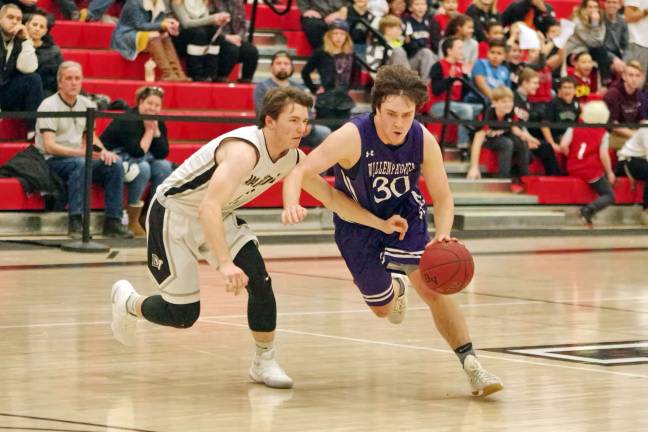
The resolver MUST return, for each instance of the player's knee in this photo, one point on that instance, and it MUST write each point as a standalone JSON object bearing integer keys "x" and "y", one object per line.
{"x": 262, "y": 311}
{"x": 184, "y": 315}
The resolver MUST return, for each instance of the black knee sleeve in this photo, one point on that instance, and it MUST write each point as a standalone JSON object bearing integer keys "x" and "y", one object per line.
{"x": 159, "y": 311}
{"x": 262, "y": 307}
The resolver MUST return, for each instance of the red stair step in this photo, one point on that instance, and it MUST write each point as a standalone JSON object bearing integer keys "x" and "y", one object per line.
{"x": 73, "y": 34}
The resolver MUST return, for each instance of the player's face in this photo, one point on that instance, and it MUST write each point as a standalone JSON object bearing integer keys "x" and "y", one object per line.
{"x": 291, "y": 124}
{"x": 394, "y": 119}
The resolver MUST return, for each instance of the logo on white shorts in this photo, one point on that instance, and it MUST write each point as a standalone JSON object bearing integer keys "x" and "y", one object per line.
{"x": 156, "y": 261}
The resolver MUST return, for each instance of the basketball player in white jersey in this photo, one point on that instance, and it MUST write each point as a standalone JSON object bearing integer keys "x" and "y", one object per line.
{"x": 192, "y": 217}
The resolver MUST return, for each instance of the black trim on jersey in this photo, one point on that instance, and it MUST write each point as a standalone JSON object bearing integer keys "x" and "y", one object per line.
{"x": 195, "y": 183}
{"x": 158, "y": 262}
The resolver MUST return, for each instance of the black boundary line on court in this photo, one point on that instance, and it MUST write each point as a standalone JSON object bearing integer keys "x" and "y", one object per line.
{"x": 68, "y": 422}
{"x": 509, "y": 350}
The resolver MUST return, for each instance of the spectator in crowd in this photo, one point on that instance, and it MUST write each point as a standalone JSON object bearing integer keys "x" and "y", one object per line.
{"x": 635, "y": 15}
{"x": 514, "y": 61}
{"x": 282, "y": 69}
{"x": 27, "y": 7}
{"x": 47, "y": 52}
{"x": 378, "y": 8}
{"x": 589, "y": 160}
{"x": 462, "y": 27}
{"x": 585, "y": 76}
{"x": 359, "y": 32}
{"x": 441, "y": 75}
{"x": 421, "y": 38}
{"x": 489, "y": 74}
{"x": 317, "y": 15}
{"x": 21, "y": 88}
{"x": 633, "y": 162}
{"x": 198, "y": 41}
{"x": 62, "y": 142}
{"x": 564, "y": 108}
{"x": 391, "y": 27}
{"x": 507, "y": 141}
{"x": 494, "y": 30}
{"x": 625, "y": 102}
{"x": 589, "y": 35}
{"x": 539, "y": 100}
{"x": 483, "y": 12}
{"x": 448, "y": 11}
{"x": 141, "y": 143}
{"x": 235, "y": 48}
{"x": 555, "y": 57}
{"x": 616, "y": 35}
{"x": 143, "y": 26}
{"x": 398, "y": 8}
{"x": 94, "y": 12}
{"x": 537, "y": 14}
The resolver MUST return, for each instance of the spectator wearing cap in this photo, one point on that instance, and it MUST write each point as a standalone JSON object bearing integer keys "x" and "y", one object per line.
{"x": 141, "y": 143}
{"x": 317, "y": 15}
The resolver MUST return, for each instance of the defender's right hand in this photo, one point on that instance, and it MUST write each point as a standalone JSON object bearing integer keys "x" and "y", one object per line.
{"x": 293, "y": 214}
{"x": 235, "y": 279}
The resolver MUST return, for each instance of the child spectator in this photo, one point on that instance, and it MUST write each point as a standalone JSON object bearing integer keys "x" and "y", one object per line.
{"x": 391, "y": 27}
{"x": 462, "y": 27}
{"x": 508, "y": 141}
{"x": 585, "y": 76}
{"x": 489, "y": 74}
{"x": 359, "y": 32}
{"x": 564, "y": 108}
{"x": 422, "y": 38}
{"x": 589, "y": 160}
{"x": 494, "y": 30}
{"x": 483, "y": 12}
{"x": 449, "y": 11}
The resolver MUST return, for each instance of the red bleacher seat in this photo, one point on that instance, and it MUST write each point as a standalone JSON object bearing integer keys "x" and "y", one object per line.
{"x": 13, "y": 129}
{"x": 297, "y": 40}
{"x": 9, "y": 149}
{"x": 571, "y": 190}
{"x": 73, "y": 34}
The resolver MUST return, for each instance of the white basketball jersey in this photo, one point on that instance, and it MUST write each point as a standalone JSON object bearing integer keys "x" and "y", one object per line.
{"x": 185, "y": 188}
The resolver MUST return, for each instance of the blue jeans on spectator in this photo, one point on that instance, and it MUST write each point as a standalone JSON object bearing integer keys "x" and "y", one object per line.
{"x": 465, "y": 111}
{"x": 151, "y": 169}
{"x": 23, "y": 92}
{"x": 96, "y": 8}
{"x": 71, "y": 171}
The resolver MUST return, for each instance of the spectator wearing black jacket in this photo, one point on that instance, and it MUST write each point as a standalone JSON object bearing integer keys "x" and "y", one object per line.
{"x": 483, "y": 13}
{"x": 48, "y": 53}
{"x": 317, "y": 15}
{"x": 20, "y": 87}
{"x": 358, "y": 30}
{"x": 537, "y": 12}
{"x": 143, "y": 143}
{"x": 422, "y": 35}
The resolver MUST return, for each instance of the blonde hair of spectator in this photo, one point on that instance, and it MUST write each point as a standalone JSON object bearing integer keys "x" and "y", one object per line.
{"x": 595, "y": 112}
{"x": 67, "y": 65}
{"x": 347, "y": 46}
{"x": 483, "y": 6}
{"x": 389, "y": 21}
{"x": 5, "y": 8}
{"x": 527, "y": 74}
{"x": 635, "y": 64}
{"x": 501, "y": 93}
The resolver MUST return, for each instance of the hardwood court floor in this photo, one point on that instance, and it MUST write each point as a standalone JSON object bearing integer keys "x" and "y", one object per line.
{"x": 61, "y": 370}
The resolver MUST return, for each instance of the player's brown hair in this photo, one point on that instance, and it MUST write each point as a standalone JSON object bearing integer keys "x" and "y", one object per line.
{"x": 397, "y": 80}
{"x": 276, "y": 100}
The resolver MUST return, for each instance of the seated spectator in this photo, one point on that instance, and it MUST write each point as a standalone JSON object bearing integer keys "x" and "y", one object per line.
{"x": 625, "y": 102}
{"x": 635, "y": 16}
{"x": 27, "y": 7}
{"x": 483, "y": 12}
{"x": 537, "y": 14}
{"x": 317, "y": 15}
{"x": 633, "y": 162}
{"x": 508, "y": 141}
{"x": 539, "y": 100}
{"x": 589, "y": 160}
{"x": 489, "y": 74}
{"x": 143, "y": 26}
{"x": 585, "y": 76}
{"x": 494, "y": 30}
{"x": 398, "y": 8}
{"x": 334, "y": 63}
{"x": 589, "y": 35}
{"x": 48, "y": 53}
{"x": 391, "y": 27}
{"x": 562, "y": 109}
{"x": 448, "y": 67}
{"x": 282, "y": 69}
{"x": 359, "y": 32}
{"x": 62, "y": 142}
{"x": 449, "y": 10}
{"x": 235, "y": 48}
{"x": 514, "y": 58}
{"x": 421, "y": 38}
{"x": 143, "y": 143}
{"x": 555, "y": 57}
{"x": 462, "y": 27}
{"x": 616, "y": 35}
{"x": 198, "y": 41}
{"x": 94, "y": 12}
{"x": 21, "y": 88}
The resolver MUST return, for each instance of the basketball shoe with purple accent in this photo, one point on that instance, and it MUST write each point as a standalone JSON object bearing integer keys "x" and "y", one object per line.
{"x": 397, "y": 314}
{"x": 482, "y": 382}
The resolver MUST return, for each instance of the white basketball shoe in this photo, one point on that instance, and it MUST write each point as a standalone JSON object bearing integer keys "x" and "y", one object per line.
{"x": 397, "y": 314}
{"x": 266, "y": 370}
{"x": 123, "y": 323}
{"x": 482, "y": 382}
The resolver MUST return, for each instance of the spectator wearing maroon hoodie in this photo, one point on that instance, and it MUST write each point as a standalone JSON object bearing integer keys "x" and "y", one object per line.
{"x": 625, "y": 103}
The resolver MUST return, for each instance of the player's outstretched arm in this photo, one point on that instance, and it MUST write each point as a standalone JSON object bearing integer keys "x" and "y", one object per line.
{"x": 436, "y": 181}
{"x": 235, "y": 161}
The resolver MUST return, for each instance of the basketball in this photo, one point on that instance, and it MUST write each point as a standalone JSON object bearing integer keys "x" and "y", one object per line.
{"x": 446, "y": 267}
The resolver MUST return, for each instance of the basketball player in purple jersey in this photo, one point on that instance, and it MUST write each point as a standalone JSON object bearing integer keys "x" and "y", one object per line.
{"x": 378, "y": 159}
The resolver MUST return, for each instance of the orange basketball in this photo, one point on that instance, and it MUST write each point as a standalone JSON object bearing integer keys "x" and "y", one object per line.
{"x": 446, "y": 267}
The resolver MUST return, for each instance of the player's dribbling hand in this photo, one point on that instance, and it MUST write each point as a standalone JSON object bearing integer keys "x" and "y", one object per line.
{"x": 293, "y": 214}
{"x": 397, "y": 224}
{"x": 442, "y": 238}
{"x": 235, "y": 279}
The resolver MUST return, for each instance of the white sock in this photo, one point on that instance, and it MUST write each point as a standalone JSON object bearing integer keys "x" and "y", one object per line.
{"x": 130, "y": 303}
{"x": 263, "y": 347}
